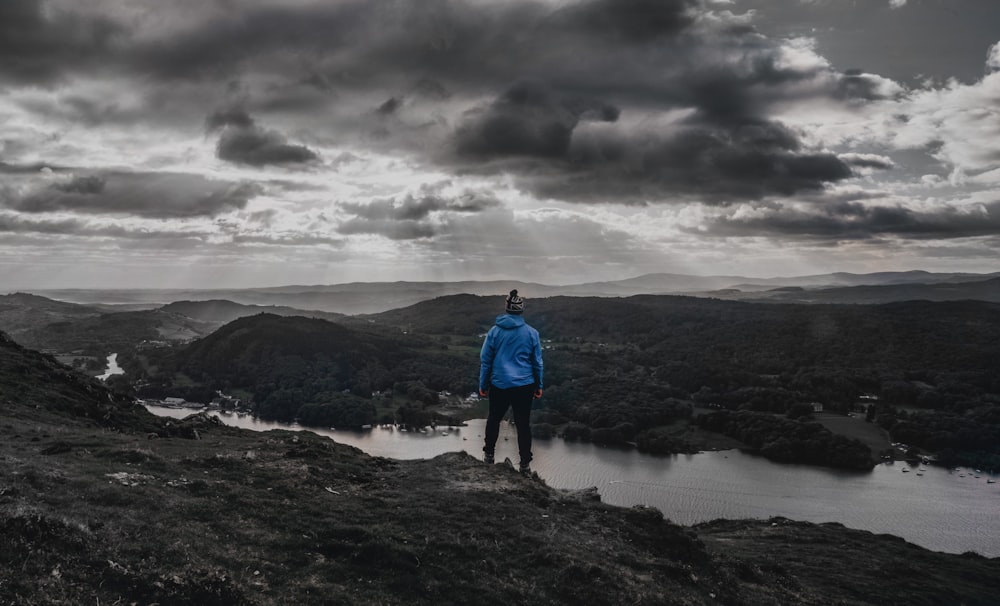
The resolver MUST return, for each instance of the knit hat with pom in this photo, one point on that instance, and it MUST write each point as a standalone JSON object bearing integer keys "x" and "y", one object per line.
{"x": 514, "y": 304}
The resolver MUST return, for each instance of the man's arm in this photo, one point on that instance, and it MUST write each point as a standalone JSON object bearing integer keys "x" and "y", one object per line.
{"x": 486, "y": 364}
{"x": 537, "y": 366}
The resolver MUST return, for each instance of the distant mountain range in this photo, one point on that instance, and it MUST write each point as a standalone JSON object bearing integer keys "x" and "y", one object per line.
{"x": 374, "y": 297}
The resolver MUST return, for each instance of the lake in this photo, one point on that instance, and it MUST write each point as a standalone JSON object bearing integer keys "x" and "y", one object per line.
{"x": 941, "y": 509}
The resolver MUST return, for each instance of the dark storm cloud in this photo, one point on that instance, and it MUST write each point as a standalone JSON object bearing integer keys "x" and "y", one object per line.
{"x": 158, "y": 195}
{"x": 727, "y": 148}
{"x": 746, "y": 160}
{"x": 528, "y": 120}
{"x": 392, "y": 229}
{"x": 855, "y": 221}
{"x": 390, "y": 106}
{"x": 90, "y": 185}
{"x": 552, "y": 73}
{"x": 405, "y": 219}
{"x": 244, "y": 142}
{"x": 38, "y": 45}
{"x": 721, "y": 150}
{"x": 629, "y": 21}
{"x": 26, "y": 224}
{"x": 259, "y": 147}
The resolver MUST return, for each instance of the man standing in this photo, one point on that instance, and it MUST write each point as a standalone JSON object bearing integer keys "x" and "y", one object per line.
{"x": 510, "y": 373}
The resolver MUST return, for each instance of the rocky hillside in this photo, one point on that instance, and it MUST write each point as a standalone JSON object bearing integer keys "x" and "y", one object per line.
{"x": 101, "y": 503}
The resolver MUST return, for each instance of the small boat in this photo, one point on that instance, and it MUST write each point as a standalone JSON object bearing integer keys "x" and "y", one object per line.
{"x": 991, "y": 481}
{"x": 919, "y": 474}
{"x": 906, "y": 470}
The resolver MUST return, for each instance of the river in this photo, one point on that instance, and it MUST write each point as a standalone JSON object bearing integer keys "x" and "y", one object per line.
{"x": 113, "y": 368}
{"x": 941, "y": 509}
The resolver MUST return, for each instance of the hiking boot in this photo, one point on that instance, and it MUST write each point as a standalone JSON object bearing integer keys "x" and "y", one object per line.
{"x": 524, "y": 468}
{"x": 488, "y": 458}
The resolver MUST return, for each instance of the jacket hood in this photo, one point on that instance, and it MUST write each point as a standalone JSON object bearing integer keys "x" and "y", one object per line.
{"x": 509, "y": 321}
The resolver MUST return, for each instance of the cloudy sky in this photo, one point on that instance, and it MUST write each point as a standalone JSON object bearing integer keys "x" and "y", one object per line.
{"x": 225, "y": 143}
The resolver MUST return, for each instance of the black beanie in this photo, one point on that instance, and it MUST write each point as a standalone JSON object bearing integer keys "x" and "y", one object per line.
{"x": 514, "y": 304}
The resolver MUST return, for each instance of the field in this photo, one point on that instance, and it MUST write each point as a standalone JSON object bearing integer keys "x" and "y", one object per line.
{"x": 855, "y": 426}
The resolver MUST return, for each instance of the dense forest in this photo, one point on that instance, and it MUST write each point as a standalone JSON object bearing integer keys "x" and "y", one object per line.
{"x": 789, "y": 441}
{"x": 619, "y": 370}
{"x": 926, "y": 370}
{"x": 313, "y": 370}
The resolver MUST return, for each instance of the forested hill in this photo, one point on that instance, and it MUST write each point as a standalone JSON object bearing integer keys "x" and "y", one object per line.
{"x": 248, "y": 342}
{"x": 759, "y": 337}
{"x": 287, "y": 362}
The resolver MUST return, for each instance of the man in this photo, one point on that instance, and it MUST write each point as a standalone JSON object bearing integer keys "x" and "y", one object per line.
{"x": 510, "y": 374}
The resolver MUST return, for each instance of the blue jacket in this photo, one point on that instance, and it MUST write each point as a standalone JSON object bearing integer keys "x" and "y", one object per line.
{"x": 511, "y": 355}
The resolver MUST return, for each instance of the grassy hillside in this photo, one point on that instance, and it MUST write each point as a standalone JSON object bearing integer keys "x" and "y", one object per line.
{"x": 93, "y": 510}
{"x": 34, "y": 386}
{"x": 21, "y": 313}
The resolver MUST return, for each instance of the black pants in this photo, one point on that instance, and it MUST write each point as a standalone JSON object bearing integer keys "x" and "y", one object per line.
{"x": 518, "y": 398}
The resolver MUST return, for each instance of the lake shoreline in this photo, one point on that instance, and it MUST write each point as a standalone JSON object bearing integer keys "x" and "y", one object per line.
{"x": 938, "y": 509}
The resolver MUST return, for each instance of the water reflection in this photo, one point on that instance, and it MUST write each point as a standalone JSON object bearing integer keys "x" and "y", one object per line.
{"x": 939, "y": 509}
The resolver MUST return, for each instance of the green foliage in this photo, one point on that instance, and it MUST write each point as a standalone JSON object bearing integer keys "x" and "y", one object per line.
{"x": 575, "y": 431}
{"x": 543, "y": 431}
{"x": 785, "y": 440}
{"x": 289, "y": 362}
{"x": 618, "y": 435}
{"x": 341, "y": 410}
{"x": 608, "y": 400}
{"x": 414, "y": 417}
{"x": 970, "y": 438}
{"x": 662, "y": 440}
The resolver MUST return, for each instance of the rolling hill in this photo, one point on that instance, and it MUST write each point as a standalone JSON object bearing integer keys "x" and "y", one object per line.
{"x": 374, "y": 297}
{"x": 222, "y": 311}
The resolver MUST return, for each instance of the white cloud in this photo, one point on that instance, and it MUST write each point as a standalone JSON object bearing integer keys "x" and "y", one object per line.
{"x": 993, "y": 57}
{"x": 894, "y": 4}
